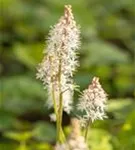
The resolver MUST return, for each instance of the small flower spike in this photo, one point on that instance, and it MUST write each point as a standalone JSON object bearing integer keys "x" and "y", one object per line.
{"x": 93, "y": 102}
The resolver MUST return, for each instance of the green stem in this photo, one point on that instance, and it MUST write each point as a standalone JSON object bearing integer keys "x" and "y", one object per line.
{"x": 87, "y": 128}
{"x": 60, "y": 110}
{"x": 60, "y": 119}
{"x": 55, "y": 110}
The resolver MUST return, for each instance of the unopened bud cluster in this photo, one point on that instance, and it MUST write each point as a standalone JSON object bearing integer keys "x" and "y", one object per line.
{"x": 75, "y": 140}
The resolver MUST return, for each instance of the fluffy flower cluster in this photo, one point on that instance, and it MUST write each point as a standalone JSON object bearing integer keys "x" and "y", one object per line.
{"x": 93, "y": 102}
{"x": 60, "y": 61}
{"x": 75, "y": 140}
{"x": 61, "y": 147}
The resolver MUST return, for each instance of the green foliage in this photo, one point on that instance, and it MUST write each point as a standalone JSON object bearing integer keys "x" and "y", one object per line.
{"x": 99, "y": 140}
{"x": 121, "y": 108}
{"x": 44, "y": 132}
{"x": 127, "y": 132}
{"x": 7, "y": 120}
{"x": 5, "y": 146}
{"x": 21, "y": 94}
{"x": 19, "y": 136}
{"x": 42, "y": 146}
{"x": 29, "y": 55}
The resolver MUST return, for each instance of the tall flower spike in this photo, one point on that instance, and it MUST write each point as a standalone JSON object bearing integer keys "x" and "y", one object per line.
{"x": 93, "y": 102}
{"x": 60, "y": 60}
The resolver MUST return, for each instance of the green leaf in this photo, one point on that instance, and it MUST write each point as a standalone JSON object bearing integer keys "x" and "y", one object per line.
{"x": 18, "y": 136}
{"x": 121, "y": 107}
{"x": 29, "y": 55}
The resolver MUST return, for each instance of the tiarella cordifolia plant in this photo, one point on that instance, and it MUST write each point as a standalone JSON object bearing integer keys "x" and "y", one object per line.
{"x": 56, "y": 71}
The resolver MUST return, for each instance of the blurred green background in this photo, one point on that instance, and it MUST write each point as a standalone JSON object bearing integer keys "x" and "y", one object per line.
{"x": 107, "y": 51}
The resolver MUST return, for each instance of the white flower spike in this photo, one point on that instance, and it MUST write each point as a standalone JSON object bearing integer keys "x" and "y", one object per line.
{"x": 60, "y": 60}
